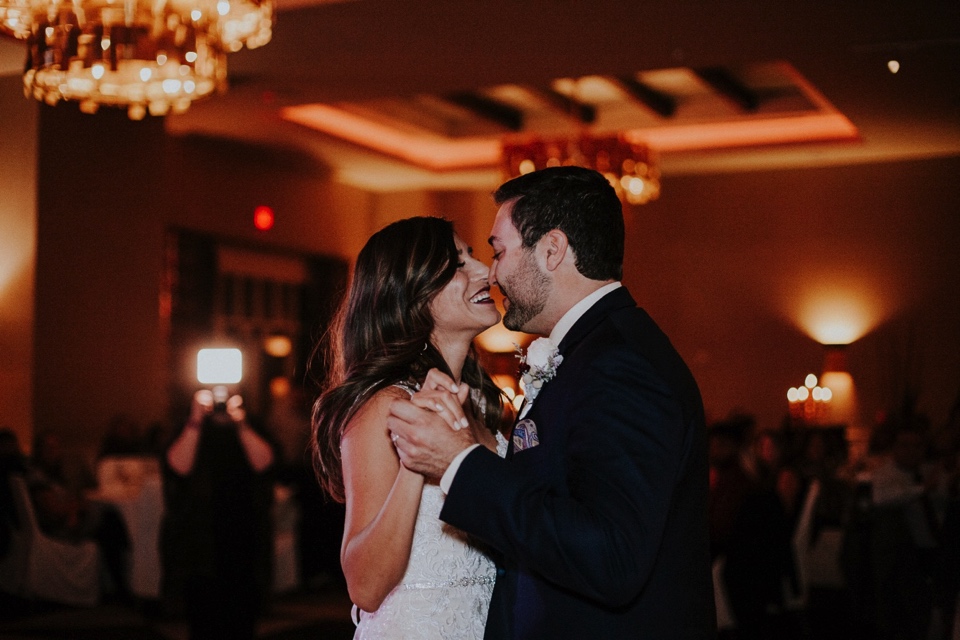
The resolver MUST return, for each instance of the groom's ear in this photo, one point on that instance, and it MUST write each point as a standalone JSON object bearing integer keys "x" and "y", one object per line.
{"x": 555, "y": 246}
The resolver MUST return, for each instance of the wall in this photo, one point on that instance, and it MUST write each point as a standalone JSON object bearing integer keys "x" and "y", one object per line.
{"x": 18, "y": 246}
{"x": 730, "y": 265}
{"x": 99, "y": 254}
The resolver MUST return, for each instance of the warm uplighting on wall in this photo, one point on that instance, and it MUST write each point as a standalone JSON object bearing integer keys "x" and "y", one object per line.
{"x": 140, "y": 55}
{"x": 499, "y": 339}
{"x": 833, "y": 315}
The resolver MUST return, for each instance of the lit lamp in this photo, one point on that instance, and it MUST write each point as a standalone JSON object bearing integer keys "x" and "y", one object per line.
{"x": 136, "y": 54}
{"x": 808, "y": 403}
{"x": 835, "y": 373}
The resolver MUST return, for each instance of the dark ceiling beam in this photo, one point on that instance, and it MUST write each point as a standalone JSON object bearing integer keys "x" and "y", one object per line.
{"x": 585, "y": 112}
{"x": 487, "y": 108}
{"x": 657, "y": 101}
{"x": 727, "y": 84}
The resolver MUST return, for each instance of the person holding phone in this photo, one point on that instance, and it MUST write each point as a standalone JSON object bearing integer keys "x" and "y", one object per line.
{"x": 216, "y": 536}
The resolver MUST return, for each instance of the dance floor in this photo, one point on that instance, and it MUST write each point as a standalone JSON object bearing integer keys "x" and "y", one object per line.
{"x": 319, "y": 614}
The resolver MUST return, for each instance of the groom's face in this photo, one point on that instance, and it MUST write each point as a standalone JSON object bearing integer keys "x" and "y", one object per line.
{"x": 524, "y": 285}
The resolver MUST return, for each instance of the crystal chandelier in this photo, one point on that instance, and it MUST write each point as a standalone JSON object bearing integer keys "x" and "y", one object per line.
{"x": 630, "y": 167}
{"x": 153, "y": 56}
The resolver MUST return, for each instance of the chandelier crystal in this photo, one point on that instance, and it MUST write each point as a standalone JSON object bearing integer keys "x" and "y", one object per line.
{"x": 630, "y": 167}
{"x": 155, "y": 56}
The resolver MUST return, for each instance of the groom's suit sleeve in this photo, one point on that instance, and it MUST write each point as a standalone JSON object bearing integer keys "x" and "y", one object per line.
{"x": 594, "y": 526}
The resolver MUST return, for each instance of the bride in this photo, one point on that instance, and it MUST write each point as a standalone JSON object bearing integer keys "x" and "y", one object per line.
{"x": 417, "y": 300}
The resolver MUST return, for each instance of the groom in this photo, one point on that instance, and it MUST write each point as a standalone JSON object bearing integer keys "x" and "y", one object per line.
{"x": 599, "y": 510}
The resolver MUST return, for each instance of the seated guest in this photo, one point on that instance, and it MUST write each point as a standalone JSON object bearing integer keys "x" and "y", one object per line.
{"x": 64, "y": 513}
{"x": 904, "y": 539}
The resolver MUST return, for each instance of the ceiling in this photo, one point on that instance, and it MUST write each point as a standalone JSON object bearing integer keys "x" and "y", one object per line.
{"x": 412, "y": 94}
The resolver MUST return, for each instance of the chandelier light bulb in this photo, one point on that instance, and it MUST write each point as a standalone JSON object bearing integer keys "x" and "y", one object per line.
{"x": 139, "y": 55}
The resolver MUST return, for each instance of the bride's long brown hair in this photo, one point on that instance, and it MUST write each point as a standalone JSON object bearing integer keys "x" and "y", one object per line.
{"x": 380, "y": 335}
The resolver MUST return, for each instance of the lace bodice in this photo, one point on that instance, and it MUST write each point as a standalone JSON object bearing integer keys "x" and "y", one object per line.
{"x": 445, "y": 592}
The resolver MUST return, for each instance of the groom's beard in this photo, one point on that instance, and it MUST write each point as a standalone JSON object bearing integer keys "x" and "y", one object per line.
{"x": 527, "y": 290}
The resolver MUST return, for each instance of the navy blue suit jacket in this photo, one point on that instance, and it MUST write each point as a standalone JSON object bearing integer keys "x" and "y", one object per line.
{"x": 602, "y": 527}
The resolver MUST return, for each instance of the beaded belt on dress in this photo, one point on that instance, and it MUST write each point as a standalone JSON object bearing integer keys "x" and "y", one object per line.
{"x": 456, "y": 582}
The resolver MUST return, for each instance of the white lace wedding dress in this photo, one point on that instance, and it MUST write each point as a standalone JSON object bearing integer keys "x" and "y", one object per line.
{"x": 446, "y": 590}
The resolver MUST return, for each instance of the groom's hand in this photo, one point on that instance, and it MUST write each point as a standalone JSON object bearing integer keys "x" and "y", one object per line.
{"x": 425, "y": 442}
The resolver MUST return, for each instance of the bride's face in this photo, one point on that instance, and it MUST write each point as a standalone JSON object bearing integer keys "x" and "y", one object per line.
{"x": 464, "y": 306}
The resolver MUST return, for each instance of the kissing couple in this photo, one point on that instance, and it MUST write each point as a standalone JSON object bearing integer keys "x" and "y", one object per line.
{"x": 587, "y": 518}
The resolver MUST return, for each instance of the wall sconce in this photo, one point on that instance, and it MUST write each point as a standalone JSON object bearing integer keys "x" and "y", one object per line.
{"x": 808, "y": 403}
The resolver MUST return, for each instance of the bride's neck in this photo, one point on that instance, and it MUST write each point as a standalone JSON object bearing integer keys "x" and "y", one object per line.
{"x": 454, "y": 354}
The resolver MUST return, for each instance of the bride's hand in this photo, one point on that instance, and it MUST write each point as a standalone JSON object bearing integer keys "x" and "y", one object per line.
{"x": 439, "y": 393}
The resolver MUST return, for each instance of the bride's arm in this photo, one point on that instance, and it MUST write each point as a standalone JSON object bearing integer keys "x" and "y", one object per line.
{"x": 382, "y": 499}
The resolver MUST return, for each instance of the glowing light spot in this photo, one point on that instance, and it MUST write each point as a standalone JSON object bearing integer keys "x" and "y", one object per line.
{"x": 792, "y": 395}
{"x": 810, "y": 381}
{"x": 97, "y": 71}
{"x": 161, "y": 59}
{"x": 277, "y": 345}
{"x": 636, "y": 186}
{"x": 191, "y": 56}
{"x": 826, "y": 394}
{"x": 527, "y": 166}
{"x": 223, "y": 7}
{"x": 802, "y": 394}
{"x": 145, "y": 74}
{"x": 893, "y": 66}
{"x": 263, "y": 218}
{"x": 196, "y": 14}
{"x": 171, "y": 85}
{"x": 105, "y": 44}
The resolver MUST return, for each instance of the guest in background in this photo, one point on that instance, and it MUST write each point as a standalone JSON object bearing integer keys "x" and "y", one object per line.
{"x": 904, "y": 539}
{"x": 122, "y": 438}
{"x": 321, "y": 519}
{"x": 751, "y": 532}
{"x": 216, "y": 537}
{"x": 774, "y": 471}
{"x": 63, "y": 512}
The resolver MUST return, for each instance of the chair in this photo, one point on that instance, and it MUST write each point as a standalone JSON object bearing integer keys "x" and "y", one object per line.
{"x": 42, "y": 568}
{"x": 818, "y": 563}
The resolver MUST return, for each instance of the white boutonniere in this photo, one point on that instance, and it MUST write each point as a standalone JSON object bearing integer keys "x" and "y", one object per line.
{"x": 538, "y": 365}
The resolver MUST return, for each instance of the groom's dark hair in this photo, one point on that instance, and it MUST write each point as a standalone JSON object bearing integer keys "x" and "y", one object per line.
{"x": 581, "y": 203}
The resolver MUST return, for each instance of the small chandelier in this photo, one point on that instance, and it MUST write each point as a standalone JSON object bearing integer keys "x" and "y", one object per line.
{"x": 144, "y": 55}
{"x": 630, "y": 167}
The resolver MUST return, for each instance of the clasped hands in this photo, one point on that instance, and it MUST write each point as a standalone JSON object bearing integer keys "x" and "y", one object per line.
{"x": 431, "y": 428}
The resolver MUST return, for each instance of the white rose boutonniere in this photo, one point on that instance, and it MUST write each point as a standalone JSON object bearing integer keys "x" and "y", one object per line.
{"x": 538, "y": 365}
